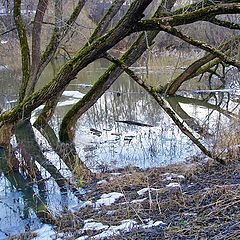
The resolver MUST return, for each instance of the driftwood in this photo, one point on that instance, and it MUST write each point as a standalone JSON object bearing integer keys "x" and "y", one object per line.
{"x": 135, "y": 123}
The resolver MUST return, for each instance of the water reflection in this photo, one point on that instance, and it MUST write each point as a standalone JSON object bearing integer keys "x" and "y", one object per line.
{"x": 119, "y": 144}
{"x": 104, "y": 142}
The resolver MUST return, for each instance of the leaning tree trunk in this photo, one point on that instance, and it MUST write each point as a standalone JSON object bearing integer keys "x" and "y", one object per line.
{"x": 140, "y": 45}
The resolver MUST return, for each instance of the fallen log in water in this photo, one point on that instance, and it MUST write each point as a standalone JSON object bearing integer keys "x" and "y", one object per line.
{"x": 135, "y": 123}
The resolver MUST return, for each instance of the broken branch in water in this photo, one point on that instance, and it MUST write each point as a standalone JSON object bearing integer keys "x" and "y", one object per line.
{"x": 134, "y": 123}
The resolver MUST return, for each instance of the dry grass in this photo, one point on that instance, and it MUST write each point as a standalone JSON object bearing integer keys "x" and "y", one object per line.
{"x": 206, "y": 206}
{"x": 228, "y": 142}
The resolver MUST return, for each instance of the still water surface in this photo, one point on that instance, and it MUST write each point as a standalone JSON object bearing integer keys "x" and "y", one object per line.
{"x": 105, "y": 143}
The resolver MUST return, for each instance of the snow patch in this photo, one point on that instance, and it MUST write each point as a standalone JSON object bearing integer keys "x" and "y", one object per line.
{"x": 144, "y": 190}
{"x": 94, "y": 226}
{"x": 73, "y": 94}
{"x": 173, "y": 185}
{"x": 108, "y": 198}
{"x": 82, "y": 238}
{"x": 115, "y": 174}
{"x": 138, "y": 200}
{"x": 171, "y": 176}
{"x": 190, "y": 214}
{"x": 151, "y": 224}
{"x": 86, "y": 204}
{"x": 126, "y": 226}
{"x": 102, "y": 182}
{"x": 45, "y": 233}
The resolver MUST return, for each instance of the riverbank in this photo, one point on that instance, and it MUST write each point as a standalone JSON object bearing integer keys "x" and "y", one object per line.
{"x": 196, "y": 200}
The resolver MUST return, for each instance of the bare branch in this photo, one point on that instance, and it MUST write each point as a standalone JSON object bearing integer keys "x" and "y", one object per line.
{"x": 197, "y": 68}
{"x": 104, "y": 22}
{"x": 58, "y": 35}
{"x": 223, "y": 23}
{"x": 25, "y": 53}
{"x": 165, "y": 106}
{"x": 201, "y": 4}
{"x": 201, "y": 45}
{"x": 203, "y": 14}
{"x": 36, "y": 44}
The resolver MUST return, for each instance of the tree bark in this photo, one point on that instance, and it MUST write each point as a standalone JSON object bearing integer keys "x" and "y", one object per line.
{"x": 139, "y": 46}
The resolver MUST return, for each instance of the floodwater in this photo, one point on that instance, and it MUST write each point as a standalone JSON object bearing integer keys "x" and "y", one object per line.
{"x": 105, "y": 140}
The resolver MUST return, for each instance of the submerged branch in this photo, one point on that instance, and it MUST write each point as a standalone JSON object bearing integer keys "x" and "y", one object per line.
{"x": 164, "y": 105}
{"x": 198, "y": 67}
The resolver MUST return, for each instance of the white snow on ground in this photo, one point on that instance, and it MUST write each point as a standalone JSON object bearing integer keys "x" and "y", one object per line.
{"x": 173, "y": 185}
{"x": 190, "y": 214}
{"x": 73, "y": 94}
{"x": 115, "y": 174}
{"x": 138, "y": 200}
{"x": 101, "y": 182}
{"x": 107, "y": 199}
{"x": 126, "y": 226}
{"x": 82, "y": 238}
{"x": 144, "y": 190}
{"x": 45, "y": 233}
{"x": 151, "y": 224}
{"x": 171, "y": 176}
{"x": 94, "y": 226}
{"x": 86, "y": 204}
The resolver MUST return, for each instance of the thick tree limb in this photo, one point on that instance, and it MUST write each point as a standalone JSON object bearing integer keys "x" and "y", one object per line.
{"x": 25, "y": 52}
{"x": 139, "y": 46}
{"x": 197, "y": 68}
{"x": 59, "y": 33}
{"x": 80, "y": 60}
{"x": 200, "y": 4}
{"x": 36, "y": 44}
{"x": 201, "y": 45}
{"x": 202, "y": 14}
{"x": 49, "y": 107}
{"x": 226, "y": 24}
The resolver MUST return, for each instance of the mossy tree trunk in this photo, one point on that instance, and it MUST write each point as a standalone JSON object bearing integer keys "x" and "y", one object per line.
{"x": 139, "y": 46}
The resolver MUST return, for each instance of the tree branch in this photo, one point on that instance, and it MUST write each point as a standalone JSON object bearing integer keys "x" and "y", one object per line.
{"x": 104, "y": 22}
{"x": 68, "y": 126}
{"x": 197, "y": 68}
{"x": 58, "y": 35}
{"x": 201, "y": 45}
{"x": 202, "y": 14}
{"x": 201, "y": 4}
{"x": 36, "y": 44}
{"x": 226, "y": 24}
{"x": 25, "y": 53}
{"x": 164, "y": 104}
